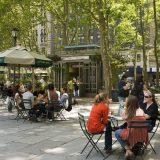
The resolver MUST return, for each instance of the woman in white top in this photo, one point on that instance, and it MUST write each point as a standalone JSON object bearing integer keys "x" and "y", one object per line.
{"x": 64, "y": 98}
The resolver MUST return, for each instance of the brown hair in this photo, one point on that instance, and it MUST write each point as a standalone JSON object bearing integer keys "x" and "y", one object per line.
{"x": 100, "y": 98}
{"x": 29, "y": 87}
{"x": 131, "y": 106}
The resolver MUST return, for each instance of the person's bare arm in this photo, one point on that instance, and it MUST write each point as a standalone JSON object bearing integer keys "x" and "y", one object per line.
{"x": 147, "y": 116}
{"x": 16, "y": 97}
{"x": 124, "y": 115}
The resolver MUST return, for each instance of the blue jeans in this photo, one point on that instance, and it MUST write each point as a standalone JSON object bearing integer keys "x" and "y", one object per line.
{"x": 108, "y": 136}
{"x": 120, "y": 140}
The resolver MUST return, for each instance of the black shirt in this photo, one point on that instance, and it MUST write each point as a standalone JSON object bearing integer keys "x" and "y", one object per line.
{"x": 152, "y": 111}
{"x": 138, "y": 92}
{"x": 122, "y": 92}
{"x": 9, "y": 92}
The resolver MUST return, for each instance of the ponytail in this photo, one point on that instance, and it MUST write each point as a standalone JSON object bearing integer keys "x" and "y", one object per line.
{"x": 100, "y": 98}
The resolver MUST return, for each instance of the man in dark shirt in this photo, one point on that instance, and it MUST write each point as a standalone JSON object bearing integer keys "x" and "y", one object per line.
{"x": 137, "y": 89}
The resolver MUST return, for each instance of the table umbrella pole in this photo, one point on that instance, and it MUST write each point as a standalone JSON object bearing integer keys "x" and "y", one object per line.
{"x": 9, "y": 73}
{"x": 33, "y": 79}
{"x": 19, "y": 71}
{"x": 14, "y": 74}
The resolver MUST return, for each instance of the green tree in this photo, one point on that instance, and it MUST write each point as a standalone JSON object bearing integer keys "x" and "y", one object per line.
{"x": 155, "y": 42}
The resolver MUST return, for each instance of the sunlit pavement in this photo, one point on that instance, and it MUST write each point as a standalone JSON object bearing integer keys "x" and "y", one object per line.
{"x": 59, "y": 140}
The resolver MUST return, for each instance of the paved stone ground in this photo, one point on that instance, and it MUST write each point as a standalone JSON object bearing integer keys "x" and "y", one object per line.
{"x": 59, "y": 140}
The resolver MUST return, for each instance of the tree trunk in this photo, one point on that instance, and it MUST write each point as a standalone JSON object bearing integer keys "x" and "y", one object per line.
{"x": 135, "y": 49}
{"x": 105, "y": 54}
{"x": 135, "y": 58}
{"x": 155, "y": 43}
{"x": 143, "y": 47}
{"x": 65, "y": 24}
{"x": 135, "y": 63}
{"x": 108, "y": 52}
{"x": 104, "y": 46}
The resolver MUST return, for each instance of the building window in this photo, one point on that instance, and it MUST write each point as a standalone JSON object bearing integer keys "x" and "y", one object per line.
{"x": 43, "y": 35}
{"x": 138, "y": 58}
{"x": 60, "y": 41}
{"x": 43, "y": 50}
{"x": 36, "y": 35}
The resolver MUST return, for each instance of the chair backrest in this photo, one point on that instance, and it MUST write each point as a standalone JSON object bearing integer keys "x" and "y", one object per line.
{"x": 82, "y": 123}
{"x": 158, "y": 122}
{"x": 138, "y": 126}
{"x": 55, "y": 104}
{"x": 138, "y": 123}
{"x": 138, "y": 135}
{"x": 156, "y": 127}
{"x": 27, "y": 103}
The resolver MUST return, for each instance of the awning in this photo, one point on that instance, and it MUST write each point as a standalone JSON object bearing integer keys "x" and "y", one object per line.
{"x": 75, "y": 58}
{"x": 81, "y": 47}
{"x": 138, "y": 70}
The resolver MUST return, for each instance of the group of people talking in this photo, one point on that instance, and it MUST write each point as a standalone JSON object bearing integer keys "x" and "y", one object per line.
{"x": 40, "y": 100}
{"x": 98, "y": 120}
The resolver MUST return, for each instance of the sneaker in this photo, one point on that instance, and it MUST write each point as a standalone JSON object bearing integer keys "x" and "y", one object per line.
{"x": 44, "y": 116}
{"x": 50, "y": 120}
{"x": 108, "y": 151}
{"x": 38, "y": 119}
{"x": 129, "y": 155}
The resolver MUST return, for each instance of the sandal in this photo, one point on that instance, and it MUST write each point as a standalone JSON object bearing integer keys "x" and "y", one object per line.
{"x": 129, "y": 155}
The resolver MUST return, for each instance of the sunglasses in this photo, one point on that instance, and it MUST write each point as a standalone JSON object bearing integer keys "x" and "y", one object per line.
{"x": 147, "y": 96}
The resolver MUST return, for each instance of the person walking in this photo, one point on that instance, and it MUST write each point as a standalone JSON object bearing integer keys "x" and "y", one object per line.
{"x": 70, "y": 86}
{"x": 98, "y": 119}
{"x": 76, "y": 87}
{"x": 123, "y": 93}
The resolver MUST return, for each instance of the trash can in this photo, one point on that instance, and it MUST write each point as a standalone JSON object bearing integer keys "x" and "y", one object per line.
{"x": 82, "y": 90}
{"x": 114, "y": 95}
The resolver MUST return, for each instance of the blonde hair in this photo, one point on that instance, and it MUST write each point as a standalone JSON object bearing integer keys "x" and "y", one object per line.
{"x": 100, "y": 98}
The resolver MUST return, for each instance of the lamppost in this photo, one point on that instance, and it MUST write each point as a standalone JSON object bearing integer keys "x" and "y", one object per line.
{"x": 14, "y": 35}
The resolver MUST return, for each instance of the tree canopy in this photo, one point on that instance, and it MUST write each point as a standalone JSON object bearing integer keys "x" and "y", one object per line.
{"x": 122, "y": 25}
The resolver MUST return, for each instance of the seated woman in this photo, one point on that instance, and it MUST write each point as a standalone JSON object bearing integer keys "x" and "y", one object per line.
{"x": 98, "y": 119}
{"x": 64, "y": 98}
{"x": 41, "y": 101}
{"x": 150, "y": 108}
{"x": 132, "y": 112}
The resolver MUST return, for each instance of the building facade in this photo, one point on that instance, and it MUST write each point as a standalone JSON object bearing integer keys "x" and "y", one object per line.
{"x": 77, "y": 59}
{"x": 81, "y": 63}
